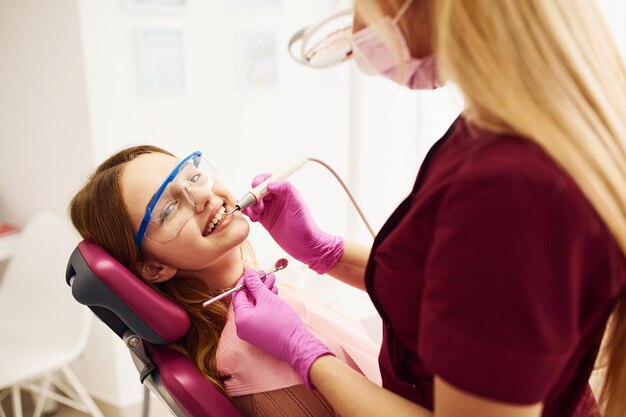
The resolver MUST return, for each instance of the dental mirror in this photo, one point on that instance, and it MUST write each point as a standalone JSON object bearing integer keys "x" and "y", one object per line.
{"x": 278, "y": 265}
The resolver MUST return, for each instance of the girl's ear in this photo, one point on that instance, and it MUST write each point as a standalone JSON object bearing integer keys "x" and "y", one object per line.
{"x": 156, "y": 272}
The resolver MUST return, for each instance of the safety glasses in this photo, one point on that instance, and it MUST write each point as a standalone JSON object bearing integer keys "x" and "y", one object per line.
{"x": 174, "y": 203}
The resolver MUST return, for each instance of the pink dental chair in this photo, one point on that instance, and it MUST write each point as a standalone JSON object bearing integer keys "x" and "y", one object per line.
{"x": 145, "y": 321}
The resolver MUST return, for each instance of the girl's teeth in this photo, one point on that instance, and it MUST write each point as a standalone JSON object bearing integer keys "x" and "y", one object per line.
{"x": 219, "y": 216}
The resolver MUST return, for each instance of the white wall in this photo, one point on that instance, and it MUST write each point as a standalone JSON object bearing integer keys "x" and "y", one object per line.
{"x": 615, "y": 13}
{"x": 395, "y": 129}
{"x": 44, "y": 130}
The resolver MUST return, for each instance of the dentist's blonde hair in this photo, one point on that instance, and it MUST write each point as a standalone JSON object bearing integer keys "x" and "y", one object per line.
{"x": 551, "y": 72}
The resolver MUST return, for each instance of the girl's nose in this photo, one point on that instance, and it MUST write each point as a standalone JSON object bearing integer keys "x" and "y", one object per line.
{"x": 198, "y": 196}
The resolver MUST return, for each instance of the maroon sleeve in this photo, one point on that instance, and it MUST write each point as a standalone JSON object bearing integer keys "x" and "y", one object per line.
{"x": 501, "y": 294}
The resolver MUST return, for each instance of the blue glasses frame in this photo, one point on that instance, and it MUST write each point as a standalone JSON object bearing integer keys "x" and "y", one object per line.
{"x": 148, "y": 216}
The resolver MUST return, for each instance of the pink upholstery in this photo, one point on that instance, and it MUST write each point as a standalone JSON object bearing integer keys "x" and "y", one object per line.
{"x": 164, "y": 317}
{"x": 191, "y": 391}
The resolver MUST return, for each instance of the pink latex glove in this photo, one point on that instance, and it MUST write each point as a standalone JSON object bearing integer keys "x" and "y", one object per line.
{"x": 285, "y": 215}
{"x": 269, "y": 279}
{"x": 266, "y": 321}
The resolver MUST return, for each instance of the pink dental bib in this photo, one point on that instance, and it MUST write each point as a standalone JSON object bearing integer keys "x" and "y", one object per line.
{"x": 250, "y": 370}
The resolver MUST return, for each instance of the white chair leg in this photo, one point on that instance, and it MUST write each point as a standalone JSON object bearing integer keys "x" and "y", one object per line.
{"x": 41, "y": 398}
{"x": 81, "y": 391}
{"x": 17, "y": 401}
{"x": 145, "y": 408}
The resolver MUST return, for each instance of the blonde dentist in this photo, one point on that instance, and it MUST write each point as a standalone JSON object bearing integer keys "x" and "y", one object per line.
{"x": 498, "y": 276}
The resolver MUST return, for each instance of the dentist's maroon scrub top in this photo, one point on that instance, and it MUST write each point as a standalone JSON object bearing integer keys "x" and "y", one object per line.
{"x": 497, "y": 275}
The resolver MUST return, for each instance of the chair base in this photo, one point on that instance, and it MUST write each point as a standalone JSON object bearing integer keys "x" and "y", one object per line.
{"x": 60, "y": 385}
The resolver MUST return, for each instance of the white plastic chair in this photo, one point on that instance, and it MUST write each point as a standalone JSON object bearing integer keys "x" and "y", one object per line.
{"x": 42, "y": 328}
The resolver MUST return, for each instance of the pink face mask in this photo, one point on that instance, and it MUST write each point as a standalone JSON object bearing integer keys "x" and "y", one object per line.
{"x": 373, "y": 56}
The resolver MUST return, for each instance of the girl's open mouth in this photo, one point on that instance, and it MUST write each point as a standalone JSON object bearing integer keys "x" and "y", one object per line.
{"x": 212, "y": 224}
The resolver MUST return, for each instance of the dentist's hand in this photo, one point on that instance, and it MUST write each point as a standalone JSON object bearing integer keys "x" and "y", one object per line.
{"x": 268, "y": 279}
{"x": 285, "y": 215}
{"x": 268, "y": 322}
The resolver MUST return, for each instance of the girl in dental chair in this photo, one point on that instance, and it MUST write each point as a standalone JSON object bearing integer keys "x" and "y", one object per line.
{"x": 163, "y": 218}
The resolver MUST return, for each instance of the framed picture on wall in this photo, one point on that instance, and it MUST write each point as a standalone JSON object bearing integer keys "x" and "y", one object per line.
{"x": 155, "y": 6}
{"x": 160, "y": 62}
{"x": 255, "y": 61}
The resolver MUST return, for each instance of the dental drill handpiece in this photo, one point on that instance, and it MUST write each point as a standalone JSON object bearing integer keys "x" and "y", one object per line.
{"x": 260, "y": 191}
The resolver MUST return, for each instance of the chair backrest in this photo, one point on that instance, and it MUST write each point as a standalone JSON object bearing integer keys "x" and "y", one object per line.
{"x": 30, "y": 294}
{"x": 124, "y": 302}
